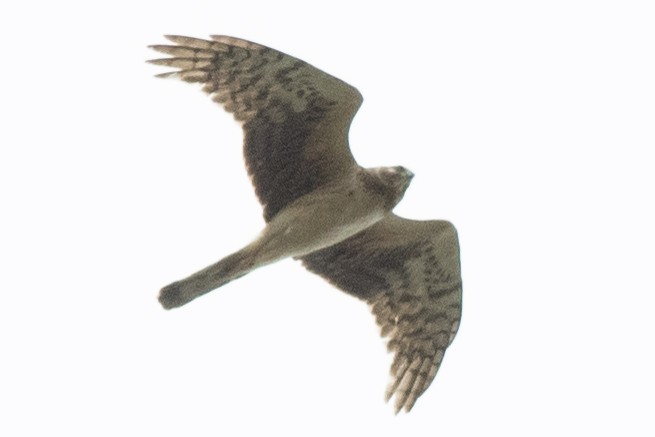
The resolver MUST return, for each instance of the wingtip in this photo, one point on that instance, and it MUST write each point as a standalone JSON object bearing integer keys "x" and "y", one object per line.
{"x": 162, "y": 61}
{"x": 402, "y": 406}
{"x": 165, "y": 75}
{"x": 388, "y": 394}
{"x": 173, "y": 38}
{"x": 168, "y": 75}
{"x": 397, "y": 408}
{"x": 398, "y": 405}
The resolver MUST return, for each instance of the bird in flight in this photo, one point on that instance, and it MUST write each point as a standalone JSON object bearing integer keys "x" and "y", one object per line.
{"x": 321, "y": 207}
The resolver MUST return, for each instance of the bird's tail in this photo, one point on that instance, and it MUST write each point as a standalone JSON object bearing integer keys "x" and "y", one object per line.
{"x": 216, "y": 275}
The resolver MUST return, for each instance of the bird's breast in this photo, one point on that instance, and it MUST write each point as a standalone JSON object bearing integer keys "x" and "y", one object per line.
{"x": 320, "y": 219}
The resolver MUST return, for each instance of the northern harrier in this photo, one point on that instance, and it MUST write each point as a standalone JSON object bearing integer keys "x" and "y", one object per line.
{"x": 321, "y": 207}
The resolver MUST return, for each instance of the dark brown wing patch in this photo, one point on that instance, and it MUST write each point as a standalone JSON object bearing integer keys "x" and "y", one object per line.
{"x": 276, "y": 160}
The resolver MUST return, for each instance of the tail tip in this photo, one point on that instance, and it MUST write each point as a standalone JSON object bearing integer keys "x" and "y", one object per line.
{"x": 171, "y": 296}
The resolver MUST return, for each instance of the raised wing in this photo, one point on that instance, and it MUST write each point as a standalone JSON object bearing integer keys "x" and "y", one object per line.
{"x": 409, "y": 273}
{"x": 295, "y": 117}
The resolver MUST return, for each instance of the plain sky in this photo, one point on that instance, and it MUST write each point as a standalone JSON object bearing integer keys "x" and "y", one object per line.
{"x": 528, "y": 124}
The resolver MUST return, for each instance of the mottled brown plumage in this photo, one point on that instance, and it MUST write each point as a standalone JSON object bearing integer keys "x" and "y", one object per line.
{"x": 321, "y": 207}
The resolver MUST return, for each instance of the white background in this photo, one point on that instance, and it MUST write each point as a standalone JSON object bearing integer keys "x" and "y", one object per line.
{"x": 529, "y": 125}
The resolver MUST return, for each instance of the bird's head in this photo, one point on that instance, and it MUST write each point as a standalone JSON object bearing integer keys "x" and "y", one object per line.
{"x": 391, "y": 182}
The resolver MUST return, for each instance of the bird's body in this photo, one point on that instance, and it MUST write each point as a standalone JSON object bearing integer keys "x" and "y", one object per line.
{"x": 324, "y": 209}
{"x": 322, "y": 218}
{"x": 327, "y": 215}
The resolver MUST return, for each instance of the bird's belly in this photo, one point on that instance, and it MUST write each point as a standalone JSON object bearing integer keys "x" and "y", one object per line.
{"x": 318, "y": 221}
{"x": 329, "y": 230}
